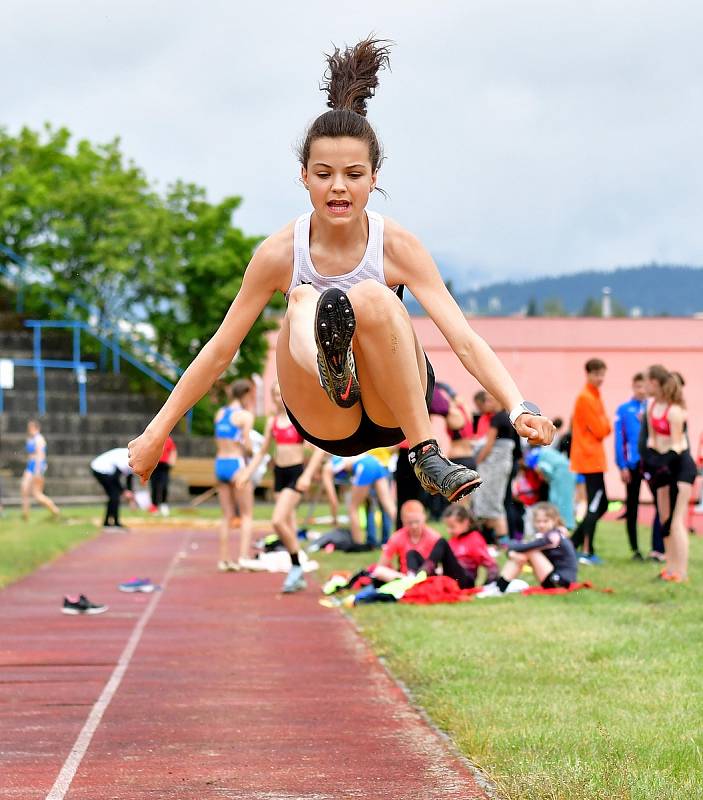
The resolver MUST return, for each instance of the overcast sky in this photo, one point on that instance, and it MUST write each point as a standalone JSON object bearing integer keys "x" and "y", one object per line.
{"x": 523, "y": 138}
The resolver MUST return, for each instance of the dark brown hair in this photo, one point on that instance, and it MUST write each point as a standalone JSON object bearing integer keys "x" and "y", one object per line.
{"x": 237, "y": 389}
{"x": 672, "y": 388}
{"x": 457, "y": 511}
{"x": 350, "y": 80}
{"x": 638, "y": 376}
{"x": 595, "y": 365}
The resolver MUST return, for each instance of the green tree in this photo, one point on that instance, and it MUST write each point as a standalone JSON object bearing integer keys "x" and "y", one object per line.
{"x": 532, "y": 308}
{"x": 591, "y": 308}
{"x": 553, "y": 307}
{"x": 212, "y": 255}
{"x": 102, "y": 232}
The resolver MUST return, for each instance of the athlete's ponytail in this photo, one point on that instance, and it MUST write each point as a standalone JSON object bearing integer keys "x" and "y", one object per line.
{"x": 350, "y": 80}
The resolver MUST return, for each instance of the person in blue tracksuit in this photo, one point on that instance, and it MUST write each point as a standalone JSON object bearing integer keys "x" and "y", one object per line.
{"x": 628, "y": 421}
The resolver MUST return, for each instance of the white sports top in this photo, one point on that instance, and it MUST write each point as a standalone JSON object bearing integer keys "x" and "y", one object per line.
{"x": 371, "y": 266}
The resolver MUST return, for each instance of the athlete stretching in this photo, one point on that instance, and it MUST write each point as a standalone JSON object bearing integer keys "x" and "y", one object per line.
{"x": 351, "y": 371}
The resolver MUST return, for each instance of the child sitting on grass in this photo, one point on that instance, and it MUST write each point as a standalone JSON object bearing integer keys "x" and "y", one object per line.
{"x": 468, "y": 544}
{"x": 550, "y": 554}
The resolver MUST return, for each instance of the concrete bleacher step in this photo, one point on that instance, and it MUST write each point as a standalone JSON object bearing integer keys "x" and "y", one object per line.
{"x": 67, "y": 402}
{"x": 72, "y": 424}
{"x": 116, "y": 414}
{"x": 64, "y": 380}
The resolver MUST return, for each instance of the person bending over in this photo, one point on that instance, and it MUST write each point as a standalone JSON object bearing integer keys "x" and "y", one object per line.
{"x": 352, "y": 373}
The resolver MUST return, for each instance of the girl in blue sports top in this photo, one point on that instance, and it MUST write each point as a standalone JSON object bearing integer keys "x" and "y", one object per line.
{"x": 32, "y": 485}
{"x": 352, "y": 374}
{"x": 233, "y": 424}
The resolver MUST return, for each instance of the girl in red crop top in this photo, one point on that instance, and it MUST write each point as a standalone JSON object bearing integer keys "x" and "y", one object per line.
{"x": 285, "y": 433}
{"x": 668, "y": 466}
{"x": 291, "y": 479}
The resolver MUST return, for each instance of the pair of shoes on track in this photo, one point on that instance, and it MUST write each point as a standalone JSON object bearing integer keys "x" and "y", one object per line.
{"x": 334, "y": 330}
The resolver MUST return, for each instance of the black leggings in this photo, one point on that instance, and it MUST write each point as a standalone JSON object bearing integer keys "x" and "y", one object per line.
{"x": 113, "y": 488}
{"x": 441, "y": 554}
{"x": 159, "y": 483}
{"x": 597, "y": 506}
{"x": 633, "y": 503}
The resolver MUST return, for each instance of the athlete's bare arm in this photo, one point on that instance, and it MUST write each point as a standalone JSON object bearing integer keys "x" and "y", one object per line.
{"x": 269, "y": 270}
{"x": 407, "y": 261}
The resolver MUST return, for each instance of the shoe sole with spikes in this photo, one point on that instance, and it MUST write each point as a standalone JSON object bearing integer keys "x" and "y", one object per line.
{"x": 334, "y": 329}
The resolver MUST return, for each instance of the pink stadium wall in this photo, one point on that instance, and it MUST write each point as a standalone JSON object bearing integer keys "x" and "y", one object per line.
{"x": 546, "y": 357}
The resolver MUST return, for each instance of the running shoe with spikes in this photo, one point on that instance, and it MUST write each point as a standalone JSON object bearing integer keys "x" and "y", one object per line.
{"x": 334, "y": 329}
{"x": 438, "y": 475}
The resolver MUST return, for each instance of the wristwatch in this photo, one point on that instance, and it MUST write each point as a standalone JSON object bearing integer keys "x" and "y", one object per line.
{"x": 524, "y": 408}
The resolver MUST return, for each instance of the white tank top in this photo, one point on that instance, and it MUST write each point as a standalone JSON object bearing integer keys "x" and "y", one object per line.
{"x": 371, "y": 265}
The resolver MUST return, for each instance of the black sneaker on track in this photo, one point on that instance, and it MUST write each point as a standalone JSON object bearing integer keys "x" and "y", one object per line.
{"x": 81, "y": 605}
{"x": 334, "y": 329}
{"x": 438, "y": 475}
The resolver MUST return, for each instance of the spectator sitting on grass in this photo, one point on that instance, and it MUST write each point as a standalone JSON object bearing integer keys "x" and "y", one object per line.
{"x": 420, "y": 549}
{"x": 411, "y": 544}
{"x": 468, "y": 544}
{"x": 550, "y": 554}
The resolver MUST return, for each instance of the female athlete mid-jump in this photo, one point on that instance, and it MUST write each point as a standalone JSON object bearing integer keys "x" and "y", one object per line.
{"x": 351, "y": 371}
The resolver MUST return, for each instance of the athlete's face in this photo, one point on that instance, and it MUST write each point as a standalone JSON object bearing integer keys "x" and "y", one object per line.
{"x": 339, "y": 178}
{"x": 639, "y": 390}
{"x": 414, "y": 521}
{"x": 455, "y": 526}
{"x": 543, "y": 522}
{"x": 654, "y": 388}
{"x": 596, "y": 378}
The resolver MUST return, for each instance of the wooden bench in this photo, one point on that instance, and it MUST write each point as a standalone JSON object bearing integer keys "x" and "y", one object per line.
{"x": 199, "y": 473}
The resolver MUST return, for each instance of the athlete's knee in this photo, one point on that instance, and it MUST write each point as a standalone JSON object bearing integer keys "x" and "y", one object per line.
{"x": 370, "y": 289}
{"x": 302, "y": 294}
{"x": 374, "y": 304}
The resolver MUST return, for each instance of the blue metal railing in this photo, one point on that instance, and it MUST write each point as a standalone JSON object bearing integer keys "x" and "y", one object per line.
{"x": 107, "y": 333}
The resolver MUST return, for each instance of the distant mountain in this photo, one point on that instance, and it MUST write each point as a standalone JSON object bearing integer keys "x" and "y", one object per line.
{"x": 652, "y": 290}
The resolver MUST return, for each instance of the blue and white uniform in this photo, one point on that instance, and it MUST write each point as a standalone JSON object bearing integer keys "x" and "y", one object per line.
{"x": 34, "y": 465}
{"x": 226, "y": 467}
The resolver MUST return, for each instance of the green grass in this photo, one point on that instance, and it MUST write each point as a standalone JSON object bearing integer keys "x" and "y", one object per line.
{"x": 587, "y": 695}
{"x": 24, "y": 546}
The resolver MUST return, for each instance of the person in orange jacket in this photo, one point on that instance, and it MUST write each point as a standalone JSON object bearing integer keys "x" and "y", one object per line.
{"x": 590, "y": 426}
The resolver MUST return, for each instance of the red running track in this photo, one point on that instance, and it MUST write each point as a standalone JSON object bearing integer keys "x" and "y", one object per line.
{"x": 228, "y": 690}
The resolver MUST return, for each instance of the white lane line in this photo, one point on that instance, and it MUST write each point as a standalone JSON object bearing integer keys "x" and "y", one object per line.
{"x": 70, "y": 766}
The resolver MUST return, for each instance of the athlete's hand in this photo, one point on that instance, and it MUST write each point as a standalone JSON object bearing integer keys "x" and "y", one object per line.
{"x": 302, "y": 484}
{"x": 537, "y": 430}
{"x": 626, "y": 475}
{"x": 144, "y": 454}
{"x": 242, "y": 478}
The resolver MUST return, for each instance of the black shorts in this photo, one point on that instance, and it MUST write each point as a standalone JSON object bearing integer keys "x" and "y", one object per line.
{"x": 286, "y": 477}
{"x": 685, "y": 471}
{"x": 368, "y": 435}
{"x": 555, "y": 581}
{"x": 668, "y": 469}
